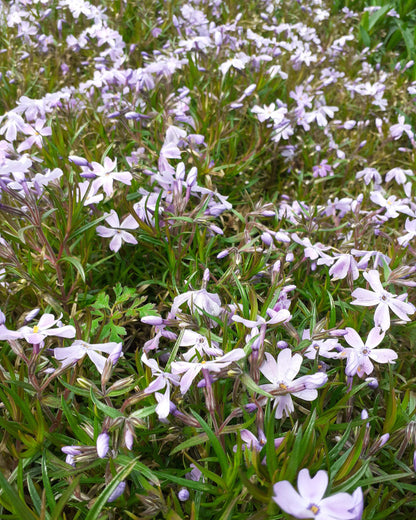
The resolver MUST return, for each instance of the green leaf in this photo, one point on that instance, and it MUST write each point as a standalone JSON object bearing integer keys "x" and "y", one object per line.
{"x": 107, "y": 410}
{"x": 66, "y": 495}
{"x": 102, "y": 301}
{"x": 251, "y": 385}
{"x": 215, "y": 443}
{"x": 15, "y": 502}
{"x": 375, "y": 17}
{"x": 76, "y": 263}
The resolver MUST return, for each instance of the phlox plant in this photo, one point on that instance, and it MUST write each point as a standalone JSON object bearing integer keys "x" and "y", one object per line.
{"x": 207, "y": 260}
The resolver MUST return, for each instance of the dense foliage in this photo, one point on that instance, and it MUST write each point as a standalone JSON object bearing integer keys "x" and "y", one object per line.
{"x": 207, "y": 247}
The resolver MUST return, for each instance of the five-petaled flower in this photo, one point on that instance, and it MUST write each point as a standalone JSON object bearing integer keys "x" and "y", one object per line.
{"x": 283, "y": 385}
{"x": 44, "y": 328}
{"x": 117, "y": 232}
{"x": 360, "y": 355}
{"x": 309, "y": 501}
{"x": 384, "y": 301}
{"x": 79, "y": 349}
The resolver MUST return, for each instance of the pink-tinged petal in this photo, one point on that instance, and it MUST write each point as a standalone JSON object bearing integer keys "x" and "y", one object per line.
{"x": 373, "y": 278}
{"x": 46, "y": 321}
{"x": 290, "y": 501}
{"x": 34, "y": 338}
{"x": 123, "y": 177}
{"x": 312, "y": 489}
{"x": 234, "y": 355}
{"x": 128, "y": 237}
{"x": 352, "y": 362}
{"x": 249, "y": 438}
{"x": 352, "y": 338}
{"x": 112, "y": 219}
{"x": 306, "y": 395}
{"x": 382, "y": 316}
{"x": 383, "y": 355}
{"x": 375, "y": 337}
{"x": 107, "y": 183}
{"x": 358, "y": 500}
{"x": 129, "y": 223}
{"x": 163, "y": 407}
{"x": 279, "y": 316}
{"x": 158, "y": 384}
{"x": 6, "y": 334}
{"x": 116, "y": 242}
{"x": 364, "y": 297}
{"x": 365, "y": 366}
{"x": 98, "y": 360}
{"x": 67, "y": 331}
{"x": 72, "y": 352}
{"x": 188, "y": 377}
{"x": 108, "y": 348}
{"x": 269, "y": 369}
{"x": 288, "y": 366}
{"x": 309, "y": 382}
{"x": 337, "y": 506}
{"x": 248, "y": 323}
{"x": 401, "y": 309}
{"x": 284, "y": 406}
{"x": 105, "y": 232}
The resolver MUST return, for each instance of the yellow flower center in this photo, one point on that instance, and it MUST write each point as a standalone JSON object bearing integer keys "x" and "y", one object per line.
{"x": 282, "y": 386}
{"x": 314, "y": 509}
{"x": 35, "y": 329}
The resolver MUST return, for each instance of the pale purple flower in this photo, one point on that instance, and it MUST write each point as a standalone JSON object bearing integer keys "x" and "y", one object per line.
{"x": 392, "y": 205}
{"x": 270, "y": 112}
{"x": 384, "y": 301}
{"x": 311, "y": 251}
{"x": 321, "y": 347}
{"x": 396, "y": 131}
{"x": 191, "y": 370}
{"x": 281, "y": 373}
{"x": 105, "y": 175}
{"x": 44, "y": 328}
{"x": 398, "y": 174}
{"x": 281, "y": 316}
{"x": 322, "y": 170}
{"x": 35, "y": 134}
{"x": 13, "y": 123}
{"x": 410, "y": 227}
{"x": 360, "y": 355}
{"x": 71, "y": 452}
{"x": 369, "y": 174}
{"x": 250, "y": 441}
{"x": 70, "y": 355}
{"x": 309, "y": 501}
{"x": 199, "y": 345}
{"x": 118, "y": 231}
{"x": 163, "y": 380}
{"x": 343, "y": 265}
{"x": 198, "y": 301}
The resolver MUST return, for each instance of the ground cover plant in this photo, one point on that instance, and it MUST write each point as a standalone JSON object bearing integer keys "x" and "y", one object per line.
{"x": 207, "y": 247}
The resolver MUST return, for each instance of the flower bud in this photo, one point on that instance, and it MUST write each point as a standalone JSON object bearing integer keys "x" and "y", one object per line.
{"x": 103, "y": 444}
{"x": 183, "y": 494}
{"x": 117, "y": 492}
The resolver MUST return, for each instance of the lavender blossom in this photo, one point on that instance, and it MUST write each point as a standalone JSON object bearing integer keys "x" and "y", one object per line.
{"x": 281, "y": 373}
{"x": 70, "y": 355}
{"x": 384, "y": 301}
{"x": 360, "y": 355}
{"x": 309, "y": 501}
